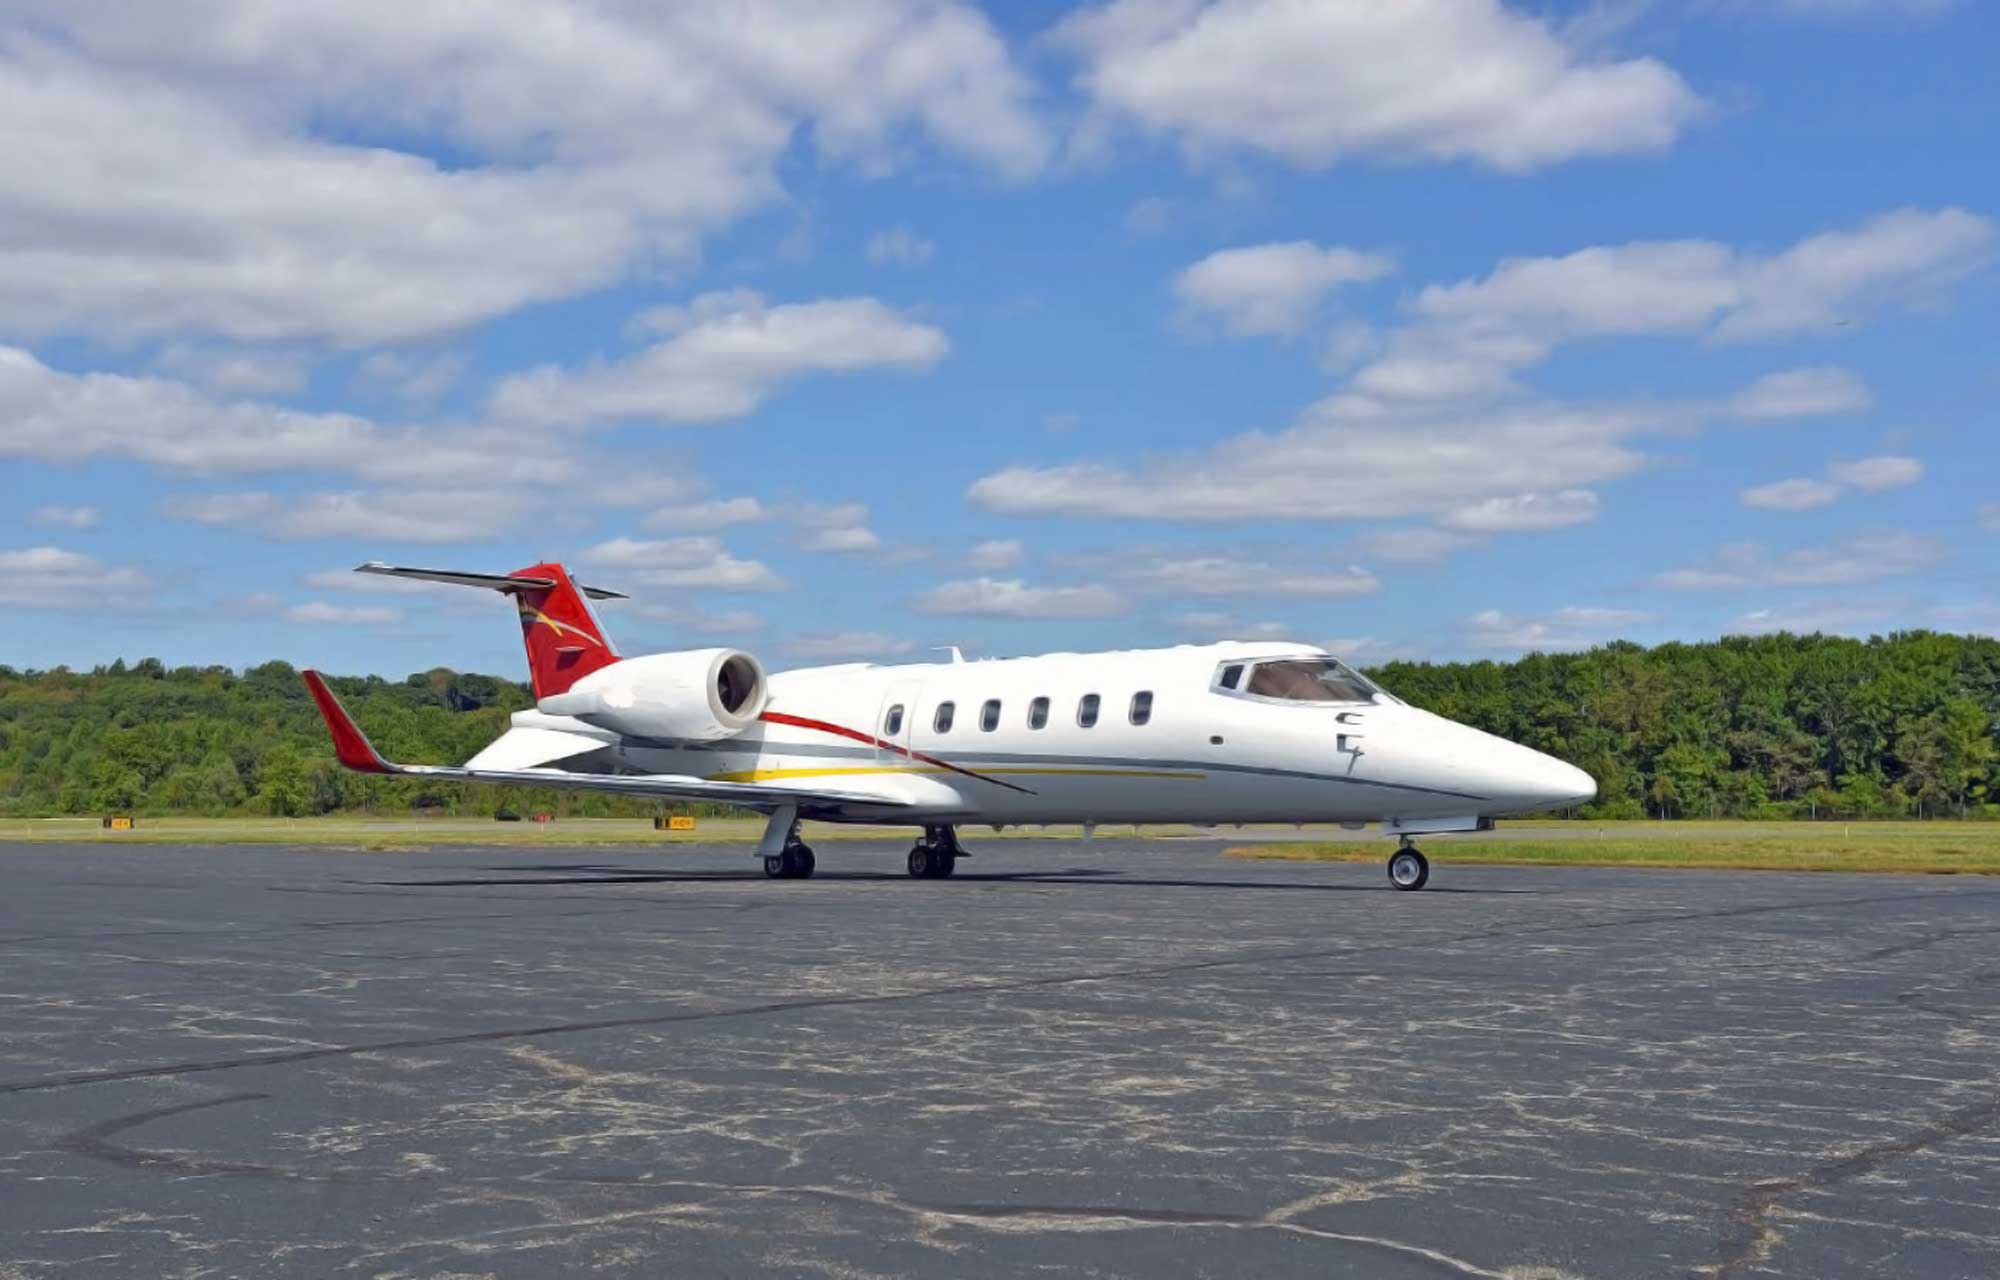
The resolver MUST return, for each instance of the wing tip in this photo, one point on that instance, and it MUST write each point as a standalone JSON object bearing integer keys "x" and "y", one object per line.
{"x": 350, "y": 746}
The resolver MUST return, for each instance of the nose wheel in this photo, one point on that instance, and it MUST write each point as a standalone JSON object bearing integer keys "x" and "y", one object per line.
{"x": 1409, "y": 868}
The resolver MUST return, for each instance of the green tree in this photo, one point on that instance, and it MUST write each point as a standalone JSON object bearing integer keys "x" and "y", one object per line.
{"x": 283, "y": 787}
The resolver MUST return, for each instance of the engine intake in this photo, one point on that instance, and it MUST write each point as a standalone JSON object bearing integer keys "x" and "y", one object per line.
{"x": 696, "y": 695}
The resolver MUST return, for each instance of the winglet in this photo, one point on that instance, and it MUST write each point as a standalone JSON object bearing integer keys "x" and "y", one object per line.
{"x": 349, "y": 743}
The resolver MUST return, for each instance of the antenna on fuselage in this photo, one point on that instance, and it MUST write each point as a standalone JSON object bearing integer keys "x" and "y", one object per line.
{"x": 952, "y": 649}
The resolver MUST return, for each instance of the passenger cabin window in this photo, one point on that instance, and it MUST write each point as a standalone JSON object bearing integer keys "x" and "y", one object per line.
{"x": 892, "y": 724}
{"x": 1231, "y": 676}
{"x": 1142, "y": 706}
{"x": 1038, "y": 714}
{"x": 942, "y": 720}
{"x": 1309, "y": 680}
{"x": 989, "y": 715}
{"x": 1086, "y": 711}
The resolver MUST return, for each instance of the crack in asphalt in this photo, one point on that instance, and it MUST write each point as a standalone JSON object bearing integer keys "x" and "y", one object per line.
{"x": 1929, "y": 940}
{"x": 95, "y": 1143}
{"x": 945, "y": 991}
{"x": 1755, "y": 1238}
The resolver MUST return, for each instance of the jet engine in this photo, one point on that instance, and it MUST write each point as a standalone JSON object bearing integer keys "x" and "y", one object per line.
{"x": 698, "y": 695}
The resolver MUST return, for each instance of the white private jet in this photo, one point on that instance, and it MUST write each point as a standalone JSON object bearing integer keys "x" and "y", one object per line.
{"x": 1218, "y": 733}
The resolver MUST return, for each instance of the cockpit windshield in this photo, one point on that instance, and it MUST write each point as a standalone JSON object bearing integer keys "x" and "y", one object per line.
{"x": 1309, "y": 680}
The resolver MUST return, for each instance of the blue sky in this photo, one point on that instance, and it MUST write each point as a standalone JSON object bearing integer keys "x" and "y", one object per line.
{"x": 1441, "y": 329}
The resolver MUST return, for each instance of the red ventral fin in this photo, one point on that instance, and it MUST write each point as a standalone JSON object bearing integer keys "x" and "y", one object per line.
{"x": 350, "y": 745}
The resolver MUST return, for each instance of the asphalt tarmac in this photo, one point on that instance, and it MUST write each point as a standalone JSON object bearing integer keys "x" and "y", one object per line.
{"x": 1116, "y": 1059}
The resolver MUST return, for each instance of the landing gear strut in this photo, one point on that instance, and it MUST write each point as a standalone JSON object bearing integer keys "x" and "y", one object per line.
{"x": 786, "y": 857}
{"x": 1408, "y": 867}
{"x": 936, "y": 855}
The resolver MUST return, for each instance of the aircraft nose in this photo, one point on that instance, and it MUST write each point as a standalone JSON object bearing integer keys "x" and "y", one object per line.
{"x": 1549, "y": 783}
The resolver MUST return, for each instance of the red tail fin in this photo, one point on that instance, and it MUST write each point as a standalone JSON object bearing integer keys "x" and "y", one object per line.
{"x": 565, "y": 642}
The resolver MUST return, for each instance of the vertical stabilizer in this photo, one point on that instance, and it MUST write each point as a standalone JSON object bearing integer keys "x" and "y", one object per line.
{"x": 564, "y": 639}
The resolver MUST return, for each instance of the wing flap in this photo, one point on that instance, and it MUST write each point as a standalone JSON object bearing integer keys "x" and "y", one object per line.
{"x": 355, "y": 752}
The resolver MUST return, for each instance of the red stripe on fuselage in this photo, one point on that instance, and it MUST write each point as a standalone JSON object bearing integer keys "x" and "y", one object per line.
{"x": 842, "y": 731}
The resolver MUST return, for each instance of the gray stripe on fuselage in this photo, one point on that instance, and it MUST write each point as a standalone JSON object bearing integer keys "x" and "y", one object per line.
{"x": 973, "y": 759}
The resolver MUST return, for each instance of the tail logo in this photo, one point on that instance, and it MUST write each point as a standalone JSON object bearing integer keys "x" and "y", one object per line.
{"x": 531, "y": 615}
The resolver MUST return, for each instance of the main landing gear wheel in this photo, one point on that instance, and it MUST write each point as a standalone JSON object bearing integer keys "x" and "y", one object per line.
{"x": 928, "y": 862}
{"x": 795, "y": 863}
{"x": 1408, "y": 868}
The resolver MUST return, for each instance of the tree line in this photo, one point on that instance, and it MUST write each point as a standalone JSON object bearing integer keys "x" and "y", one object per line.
{"x": 1778, "y": 726}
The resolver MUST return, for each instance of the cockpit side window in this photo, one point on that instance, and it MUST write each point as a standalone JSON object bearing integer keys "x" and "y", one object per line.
{"x": 1308, "y": 680}
{"x": 1232, "y": 675}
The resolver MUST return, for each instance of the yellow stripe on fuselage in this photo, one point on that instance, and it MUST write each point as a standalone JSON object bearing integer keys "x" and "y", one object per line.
{"x": 771, "y": 775}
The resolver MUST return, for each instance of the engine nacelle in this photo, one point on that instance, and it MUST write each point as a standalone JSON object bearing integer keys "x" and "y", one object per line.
{"x": 698, "y": 695}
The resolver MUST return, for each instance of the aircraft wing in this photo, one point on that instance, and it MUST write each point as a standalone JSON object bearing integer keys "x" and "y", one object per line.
{"x": 356, "y": 753}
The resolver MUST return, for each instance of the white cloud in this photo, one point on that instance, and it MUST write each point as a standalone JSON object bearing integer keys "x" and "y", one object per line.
{"x": 1525, "y": 512}
{"x": 1575, "y": 627}
{"x": 697, "y": 563}
{"x": 1472, "y": 337}
{"x": 586, "y": 141}
{"x": 1841, "y": 617}
{"x": 1872, "y": 475}
{"x": 1208, "y": 625}
{"x": 1414, "y": 80}
{"x": 852, "y": 538}
{"x": 832, "y": 645}
{"x": 236, "y": 371}
{"x": 725, "y": 354}
{"x": 899, "y": 246}
{"x": 1012, "y": 598}
{"x": 53, "y": 416}
{"x": 1801, "y": 393}
{"x": 1272, "y": 288}
{"x": 1791, "y": 495}
{"x": 1348, "y": 458}
{"x": 1182, "y": 574}
{"x": 1516, "y": 315}
{"x": 321, "y": 613}
{"x": 714, "y": 513}
{"x": 419, "y": 379}
{"x": 1414, "y": 546}
{"x": 1864, "y": 557}
{"x": 995, "y": 554}
{"x": 838, "y": 527}
{"x": 456, "y": 515}
{"x": 1437, "y": 426}
{"x": 1908, "y": 256}
{"x": 1869, "y": 475}
{"x": 66, "y": 517}
{"x": 55, "y": 578}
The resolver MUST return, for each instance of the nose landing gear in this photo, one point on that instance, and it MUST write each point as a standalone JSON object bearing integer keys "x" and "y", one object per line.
{"x": 1408, "y": 868}
{"x": 936, "y": 855}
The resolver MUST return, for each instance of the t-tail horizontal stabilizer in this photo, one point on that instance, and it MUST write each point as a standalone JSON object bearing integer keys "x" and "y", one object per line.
{"x": 492, "y": 581}
{"x": 564, "y": 639}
